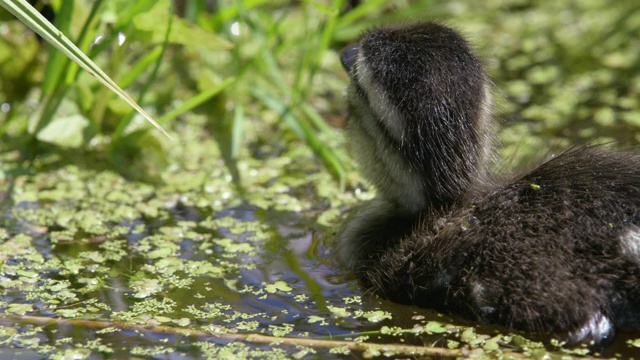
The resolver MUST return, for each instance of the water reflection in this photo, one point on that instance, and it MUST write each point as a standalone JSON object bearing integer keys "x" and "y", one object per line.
{"x": 289, "y": 286}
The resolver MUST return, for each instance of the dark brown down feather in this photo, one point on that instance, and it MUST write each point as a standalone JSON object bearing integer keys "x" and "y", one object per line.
{"x": 556, "y": 250}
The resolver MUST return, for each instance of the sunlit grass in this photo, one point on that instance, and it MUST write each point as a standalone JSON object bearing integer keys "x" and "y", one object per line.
{"x": 57, "y": 67}
{"x": 260, "y": 56}
{"x": 255, "y": 64}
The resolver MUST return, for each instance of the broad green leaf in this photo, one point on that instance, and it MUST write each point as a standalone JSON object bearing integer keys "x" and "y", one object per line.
{"x": 155, "y": 23}
{"x": 65, "y": 131}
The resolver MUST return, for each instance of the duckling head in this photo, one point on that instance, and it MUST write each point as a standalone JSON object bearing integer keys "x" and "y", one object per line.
{"x": 419, "y": 119}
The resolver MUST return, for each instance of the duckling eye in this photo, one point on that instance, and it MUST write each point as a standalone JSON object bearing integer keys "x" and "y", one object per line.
{"x": 349, "y": 57}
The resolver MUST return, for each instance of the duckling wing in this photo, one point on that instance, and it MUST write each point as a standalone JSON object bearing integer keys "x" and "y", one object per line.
{"x": 558, "y": 250}
{"x": 553, "y": 251}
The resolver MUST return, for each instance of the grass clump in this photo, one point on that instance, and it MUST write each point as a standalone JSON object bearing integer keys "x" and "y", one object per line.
{"x": 227, "y": 62}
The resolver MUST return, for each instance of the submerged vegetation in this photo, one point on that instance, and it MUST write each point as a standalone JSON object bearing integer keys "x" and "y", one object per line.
{"x": 115, "y": 241}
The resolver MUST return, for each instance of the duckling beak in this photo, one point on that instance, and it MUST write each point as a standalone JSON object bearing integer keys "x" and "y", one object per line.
{"x": 349, "y": 56}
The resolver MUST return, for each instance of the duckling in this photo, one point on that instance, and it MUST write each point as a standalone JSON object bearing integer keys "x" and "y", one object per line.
{"x": 552, "y": 250}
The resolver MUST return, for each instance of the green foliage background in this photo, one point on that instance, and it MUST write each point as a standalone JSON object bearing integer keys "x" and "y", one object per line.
{"x": 565, "y": 71}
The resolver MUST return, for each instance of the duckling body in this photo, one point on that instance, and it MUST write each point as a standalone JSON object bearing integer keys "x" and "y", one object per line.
{"x": 555, "y": 250}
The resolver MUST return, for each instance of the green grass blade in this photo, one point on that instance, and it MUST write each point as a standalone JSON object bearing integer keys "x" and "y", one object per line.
{"x": 237, "y": 130}
{"x": 154, "y": 72}
{"x": 316, "y": 119}
{"x": 29, "y": 16}
{"x": 304, "y": 130}
{"x": 141, "y": 65}
{"x": 360, "y": 11}
{"x": 85, "y": 38}
{"x": 56, "y": 61}
{"x": 310, "y": 65}
{"x": 197, "y": 100}
{"x": 280, "y": 108}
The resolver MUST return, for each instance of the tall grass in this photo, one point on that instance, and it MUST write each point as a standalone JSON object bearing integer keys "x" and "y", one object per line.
{"x": 173, "y": 57}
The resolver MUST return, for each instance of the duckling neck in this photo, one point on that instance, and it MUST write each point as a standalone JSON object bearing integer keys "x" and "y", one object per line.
{"x": 422, "y": 136}
{"x": 434, "y": 161}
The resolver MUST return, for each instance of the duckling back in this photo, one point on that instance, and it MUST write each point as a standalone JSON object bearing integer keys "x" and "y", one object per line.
{"x": 555, "y": 250}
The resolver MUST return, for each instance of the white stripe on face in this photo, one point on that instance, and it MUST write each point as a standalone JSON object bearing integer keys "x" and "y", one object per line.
{"x": 387, "y": 113}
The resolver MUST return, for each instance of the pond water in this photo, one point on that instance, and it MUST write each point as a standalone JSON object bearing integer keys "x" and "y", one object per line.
{"x": 210, "y": 274}
{"x": 197, "y": 283}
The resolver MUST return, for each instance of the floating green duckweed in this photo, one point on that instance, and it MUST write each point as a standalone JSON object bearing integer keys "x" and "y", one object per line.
{"x": 278, "y": 286}
{"x": 435, "y": 327}
{"x": 375, "y": 316}
{"x": 634, "y": 343}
